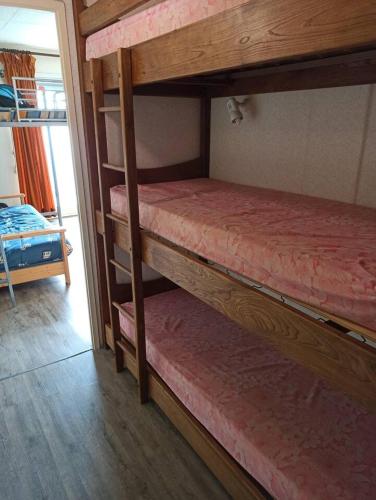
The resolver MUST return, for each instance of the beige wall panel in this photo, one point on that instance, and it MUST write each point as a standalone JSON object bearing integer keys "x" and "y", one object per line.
{"x": 366, "y": 183}
{"x": 167, "y": 131}
{"x": 311, "y": 142}
{"x": 334, "y": 142}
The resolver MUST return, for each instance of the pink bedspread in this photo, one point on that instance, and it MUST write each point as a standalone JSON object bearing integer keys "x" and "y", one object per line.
{"x": 317, "y": 251}
{"x": 158, "y": 20}
{"x": 294, "y": 434}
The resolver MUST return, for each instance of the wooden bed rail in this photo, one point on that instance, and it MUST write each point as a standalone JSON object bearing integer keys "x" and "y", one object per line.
{"x": 20, "y": 196}
{"x": 32, "y": 234}
{"x": 344, "y": 362}
{"x": 260, "y": 32}
{"x": 47, "y": 269}
{"x": 105, "y": 12}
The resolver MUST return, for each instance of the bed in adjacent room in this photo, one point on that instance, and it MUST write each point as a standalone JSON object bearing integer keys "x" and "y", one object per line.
{"x": 34, "y": 248}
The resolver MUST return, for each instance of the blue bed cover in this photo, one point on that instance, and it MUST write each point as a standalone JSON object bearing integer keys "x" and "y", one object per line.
{"x": 27, "y": 252}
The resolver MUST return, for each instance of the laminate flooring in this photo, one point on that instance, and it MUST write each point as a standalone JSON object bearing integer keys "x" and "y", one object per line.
{"x": 50, "y": 321}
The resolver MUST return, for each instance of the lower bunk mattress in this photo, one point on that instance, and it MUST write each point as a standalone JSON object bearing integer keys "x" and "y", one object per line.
{"x": 294, "y": 434}
{"x": 27, "y": 252}
{"x": 317, "y": 251}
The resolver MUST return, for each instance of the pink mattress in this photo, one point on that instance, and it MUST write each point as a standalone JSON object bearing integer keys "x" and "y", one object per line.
{"x": 294, "y": 434}
{"x": 158, "y": 20}
{"x": 317, "y": 251}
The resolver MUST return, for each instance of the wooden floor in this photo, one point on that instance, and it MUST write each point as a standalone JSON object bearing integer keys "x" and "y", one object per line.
{"x": 50, "y": 322}
{"x": 71, "y": 429}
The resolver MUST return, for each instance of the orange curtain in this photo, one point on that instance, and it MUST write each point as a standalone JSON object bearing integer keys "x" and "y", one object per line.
{"x": 30, "y": 153}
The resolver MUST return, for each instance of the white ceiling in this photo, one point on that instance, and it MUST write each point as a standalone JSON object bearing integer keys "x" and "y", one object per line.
{"x": 28, "y": 29}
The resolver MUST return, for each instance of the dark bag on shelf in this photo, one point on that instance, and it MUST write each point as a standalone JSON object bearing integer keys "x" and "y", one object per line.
{"x": 7, "y": 96}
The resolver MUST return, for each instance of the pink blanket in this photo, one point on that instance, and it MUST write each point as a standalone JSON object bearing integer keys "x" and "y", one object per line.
{"x": 317, "y": 251}
{"x": 294, "y": 434}
{"x": 158, "y": 20}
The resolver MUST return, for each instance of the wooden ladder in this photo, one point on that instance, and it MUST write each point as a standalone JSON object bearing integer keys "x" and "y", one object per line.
{"x": 109, "y": 176}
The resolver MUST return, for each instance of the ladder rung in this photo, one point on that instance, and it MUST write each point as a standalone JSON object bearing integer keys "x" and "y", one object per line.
{"x": 117, "y": 168}
{"x": 109, "y": 109}
{"x": 115, "y": 218}
{"x": 123, "y": 346}
{"x": 121, "y": 267}
{"x": 122, "y": 310}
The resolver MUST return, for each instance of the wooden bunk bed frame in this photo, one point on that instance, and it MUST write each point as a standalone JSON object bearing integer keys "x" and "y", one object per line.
{"x": 40, "y": 271}
{"x": 262, "y": 46}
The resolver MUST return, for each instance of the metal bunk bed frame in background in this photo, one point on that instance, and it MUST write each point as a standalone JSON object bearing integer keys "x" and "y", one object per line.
{"x": 40, "y": 116}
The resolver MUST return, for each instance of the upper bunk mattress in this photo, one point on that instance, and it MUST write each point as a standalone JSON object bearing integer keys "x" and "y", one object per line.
{"x": 298, "y": 437}
{"x": 160, "y": 19}
{"x": 317, "y": 251}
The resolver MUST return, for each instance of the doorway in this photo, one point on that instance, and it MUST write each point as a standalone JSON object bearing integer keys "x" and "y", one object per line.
{"x": 51, "y": 321}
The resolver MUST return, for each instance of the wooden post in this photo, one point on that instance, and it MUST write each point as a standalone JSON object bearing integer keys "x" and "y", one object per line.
{"x": 205, "y": 123}
{"x": 87, "y": 111}
{"x": 64, "y": 254}
{"x": 130, "y": 164}
{"x": 107, "y": 179}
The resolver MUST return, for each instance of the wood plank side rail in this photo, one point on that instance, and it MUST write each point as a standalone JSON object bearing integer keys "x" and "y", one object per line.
{"x": 344, "y": 362}
{"x": 258, "y": 33}
{"x": 43, "y": 270}
{"x": 105, "y": 12}
{"x": 261, "y": 31}
{"x": 20, "y": 196}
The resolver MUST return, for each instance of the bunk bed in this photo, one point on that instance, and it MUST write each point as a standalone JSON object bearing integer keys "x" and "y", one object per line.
{"x": 33, "y": 248}
{"x": 42, "y": 105}
{"x": 252, "y": 47}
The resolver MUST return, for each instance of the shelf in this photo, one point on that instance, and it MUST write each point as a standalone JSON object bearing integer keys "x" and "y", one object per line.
{"x": 109, "y": 109}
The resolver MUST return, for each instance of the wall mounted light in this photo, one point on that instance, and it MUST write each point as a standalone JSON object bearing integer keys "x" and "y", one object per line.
{"x": 233, "y": 107}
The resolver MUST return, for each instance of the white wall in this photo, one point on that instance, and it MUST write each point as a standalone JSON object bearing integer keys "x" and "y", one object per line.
{"x": 319, "y": 143}
{"x": 8, "y": 171}
{"x": 48, "y": 67}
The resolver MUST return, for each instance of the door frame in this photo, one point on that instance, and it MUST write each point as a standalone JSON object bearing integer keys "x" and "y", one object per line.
{"x": 67, "y": 44}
